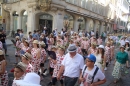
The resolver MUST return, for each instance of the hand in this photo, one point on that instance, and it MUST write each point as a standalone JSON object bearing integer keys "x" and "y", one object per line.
{"x": 128, "y": 66}
{"x": 81, "y": 79}
{"x": 58, "y": 77}
{"x": 93, "y": 84}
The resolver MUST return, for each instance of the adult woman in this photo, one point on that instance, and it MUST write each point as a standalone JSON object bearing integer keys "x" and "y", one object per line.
{"x": 25, "y": 47}
{"x": 51, "y": 42}
{"x": 120, "y": 62}
{"x": 36, "y": 56}
{"x": 92, "y": 49}
{"x": 100, "y": 57}
{"x": 3, "y": 72}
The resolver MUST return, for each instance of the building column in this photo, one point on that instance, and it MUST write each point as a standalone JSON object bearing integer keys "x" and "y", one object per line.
{"x": 95, "y": 26}
{"x": 11, "y": 24}
{"x": 102, "y": 27}
{"x": 87, "y": 24}
{"x": 76, "y": 24}
{"x": 30, "y": 21}
{"x": 58, "y": 20}
{"x": 19, "y": 22}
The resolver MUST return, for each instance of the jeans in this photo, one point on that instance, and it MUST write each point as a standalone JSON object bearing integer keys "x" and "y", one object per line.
{"x": 70, "y": 81}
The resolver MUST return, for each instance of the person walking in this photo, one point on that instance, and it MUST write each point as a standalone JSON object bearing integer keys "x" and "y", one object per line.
{"x": 121, "y": 62}
{"x": 3, "y": 72}
{"x": 91, "y": 75}
{"x": 72, "y": 65}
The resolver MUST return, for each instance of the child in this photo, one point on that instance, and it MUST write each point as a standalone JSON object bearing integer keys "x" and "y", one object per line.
{"x": 43, "y": 56}
{"x": 26, "y": 58}
{"x": 51, "y": 64}
{"x": 59, "y": 58}
{"x": 78, "y": 48}
{"x": 108, "y": 54}
{"x": 19, "y": 72}
{"x": 17, "y": 51}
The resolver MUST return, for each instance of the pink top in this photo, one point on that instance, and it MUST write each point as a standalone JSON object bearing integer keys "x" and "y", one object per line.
{"x": 99, "y": 41}
{"x": 59, "y": 60}
{"x": 108, "y": 52}
{"x": 84, "y": 44}
{"x": 43, "y": 54}
{"x": 29, "y": 68}
{"x": 79, "y": 50}
{"x": 92, "y": 51}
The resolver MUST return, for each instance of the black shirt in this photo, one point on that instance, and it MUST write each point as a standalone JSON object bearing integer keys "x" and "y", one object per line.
{"x": 2, "y": 38}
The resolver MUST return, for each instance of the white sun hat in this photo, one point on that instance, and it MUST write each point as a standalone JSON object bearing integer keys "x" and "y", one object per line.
{"x": 127, "y": 41}
{"x": 101, "y": 46}
{"x": 31, "y": 79}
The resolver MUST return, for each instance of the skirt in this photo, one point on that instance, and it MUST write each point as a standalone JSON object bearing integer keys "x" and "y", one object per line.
{"x": 119, "y": 70}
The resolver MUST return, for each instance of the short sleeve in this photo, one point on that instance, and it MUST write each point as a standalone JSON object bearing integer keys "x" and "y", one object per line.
{"x": 100, "y": 75}
{"x": 82, "y": 63}
{"x": 63, "y": 62}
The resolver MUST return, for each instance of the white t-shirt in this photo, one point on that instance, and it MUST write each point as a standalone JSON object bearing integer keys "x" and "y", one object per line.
{"x": 73, "y": 65}
{"x": 89, "y": 74}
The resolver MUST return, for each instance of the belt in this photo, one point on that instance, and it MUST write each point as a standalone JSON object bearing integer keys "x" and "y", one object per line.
{"x": 71, "y": 77}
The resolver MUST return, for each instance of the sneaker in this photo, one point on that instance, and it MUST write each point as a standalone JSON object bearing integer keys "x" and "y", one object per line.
{"x": 105, "y": 68}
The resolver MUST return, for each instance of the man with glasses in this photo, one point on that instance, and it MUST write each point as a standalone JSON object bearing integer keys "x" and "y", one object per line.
{"x": 91, "y": 74}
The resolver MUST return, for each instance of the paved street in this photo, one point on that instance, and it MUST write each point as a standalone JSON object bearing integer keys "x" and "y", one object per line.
{"x": 11, "y": 59}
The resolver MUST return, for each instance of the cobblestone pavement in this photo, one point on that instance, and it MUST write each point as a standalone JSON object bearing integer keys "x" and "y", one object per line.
{"x": 125, "y": 81}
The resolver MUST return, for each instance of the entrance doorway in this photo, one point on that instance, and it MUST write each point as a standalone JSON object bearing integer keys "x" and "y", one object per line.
{"x": 46, "y": 20}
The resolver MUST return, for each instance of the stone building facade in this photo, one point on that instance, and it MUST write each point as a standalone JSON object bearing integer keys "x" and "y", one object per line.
{"x": 29, "y": 15}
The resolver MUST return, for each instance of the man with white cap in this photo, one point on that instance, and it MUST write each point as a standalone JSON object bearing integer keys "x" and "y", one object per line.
{"x": 71, "y": 65}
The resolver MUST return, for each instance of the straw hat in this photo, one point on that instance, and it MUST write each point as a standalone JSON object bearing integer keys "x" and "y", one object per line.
{"x": 35, "y": 41}
{"x": 1, "y": 52}
{"x": 27, "y": 56}
{"x": 22, "y": 66}
{"x": 41, "y": 43}
{"x": 31, "y": 79}
{"x": 26, "y": 41}
{"x": 53, "y": 47}
{"x": 62, "y": 47}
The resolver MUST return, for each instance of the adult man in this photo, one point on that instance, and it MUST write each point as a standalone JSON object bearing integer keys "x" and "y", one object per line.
{"x": 91, "y": 75}
{"x": 2, "y": 39}
{"x": 71, "y": 65}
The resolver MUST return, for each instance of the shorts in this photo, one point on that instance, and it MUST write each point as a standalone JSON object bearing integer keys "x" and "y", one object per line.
{"x": 51, "y": 71}
{"x": 4, "y": 46}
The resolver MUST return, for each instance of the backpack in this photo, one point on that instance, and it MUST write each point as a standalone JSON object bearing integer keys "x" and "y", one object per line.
{"x": 95, "y": 72}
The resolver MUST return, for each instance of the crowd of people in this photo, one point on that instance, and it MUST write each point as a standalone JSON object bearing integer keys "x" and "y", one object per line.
{"x": 82, "y": 57}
